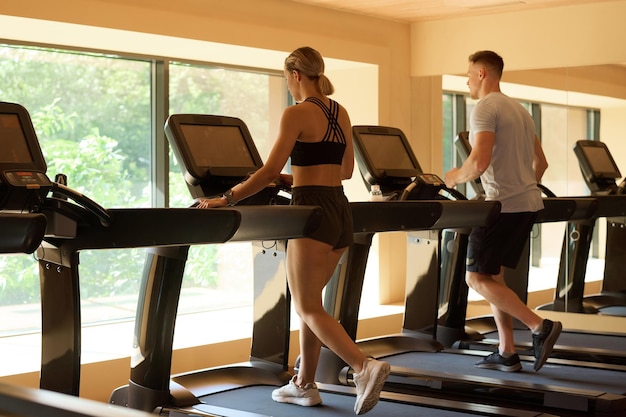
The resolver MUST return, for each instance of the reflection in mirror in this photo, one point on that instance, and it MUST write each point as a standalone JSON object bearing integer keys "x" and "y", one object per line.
{"x": 568, "y": 104}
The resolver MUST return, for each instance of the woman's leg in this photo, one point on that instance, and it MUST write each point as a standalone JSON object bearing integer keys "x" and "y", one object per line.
{"x": 310, "y": 265}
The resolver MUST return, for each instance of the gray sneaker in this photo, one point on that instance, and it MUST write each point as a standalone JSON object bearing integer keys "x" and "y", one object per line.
{"x": 544, "y": 341}
{"x": 291, "y": 393}
{"x": 499, "y": 362}
{"x": 369, "y": 382}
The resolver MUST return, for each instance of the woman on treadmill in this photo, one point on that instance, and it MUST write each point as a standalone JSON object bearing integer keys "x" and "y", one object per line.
{"x": 317, "y": 135}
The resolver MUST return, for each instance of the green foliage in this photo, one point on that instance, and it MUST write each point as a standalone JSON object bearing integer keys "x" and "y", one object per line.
{"x": 242, "y": 94}
{"x": 109, "y": 273}
{"x": 92, "y": 118}
{"x": 77, "y": 95}
{"x": 102, "y": 175}
{"x": 92, "y": 115}
{"x": 19, "y": 280}
{"x": 200, "y": 270}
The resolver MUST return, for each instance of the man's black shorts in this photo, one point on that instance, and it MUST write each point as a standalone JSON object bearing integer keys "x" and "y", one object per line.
{"x": 500, "y": 243}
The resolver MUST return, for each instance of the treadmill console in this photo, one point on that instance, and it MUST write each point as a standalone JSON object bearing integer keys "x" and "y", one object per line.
{"x": 212, "y": 148}
{"x": 23, "y": 180}
{"x": 431, "y": 179}
{"x": 216, "y": 153}
{"x": 597, "y": 166}
{"x": 24, "y": 184}
{"x": 385, "y": 157}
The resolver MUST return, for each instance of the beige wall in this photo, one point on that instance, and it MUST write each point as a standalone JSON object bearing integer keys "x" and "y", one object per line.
{"x": 587, "y": 34}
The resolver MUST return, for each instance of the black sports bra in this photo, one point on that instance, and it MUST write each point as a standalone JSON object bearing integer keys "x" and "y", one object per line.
{"x": 330, "y": 149}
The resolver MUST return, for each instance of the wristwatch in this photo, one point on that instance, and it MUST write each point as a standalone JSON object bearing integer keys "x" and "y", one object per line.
{"x": 228, "y": 195}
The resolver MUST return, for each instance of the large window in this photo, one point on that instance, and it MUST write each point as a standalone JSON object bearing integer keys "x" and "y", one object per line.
{"x": 84, "y": 104}
{"x": 93, "y": 117}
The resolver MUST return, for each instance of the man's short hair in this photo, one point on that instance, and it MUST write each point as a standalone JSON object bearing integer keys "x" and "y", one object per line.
{"x": 489, "y": 59}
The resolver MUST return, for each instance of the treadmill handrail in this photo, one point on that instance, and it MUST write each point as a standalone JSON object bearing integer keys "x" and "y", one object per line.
{"x": 610, "y": 205}
{"x": 372, "y": 217}
{"x": 149, "y": 227}
{"x": 567, "y": 208}
{"x": 276, "y": 222}
{"x": 21, "y": 232}
{"x": 467, "y": 213}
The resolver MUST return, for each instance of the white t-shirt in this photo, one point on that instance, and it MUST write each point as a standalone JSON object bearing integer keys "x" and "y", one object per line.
{"x": 509, "y": 178}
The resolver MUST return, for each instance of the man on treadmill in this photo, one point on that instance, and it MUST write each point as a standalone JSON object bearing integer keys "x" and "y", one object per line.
{"x": 507, "y": 156}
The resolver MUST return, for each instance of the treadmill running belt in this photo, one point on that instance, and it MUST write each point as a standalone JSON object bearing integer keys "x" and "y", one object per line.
{"x": 613, "y": 311}
{"x": 576, "y": 377}
{"x": 258, "y": 400}
{"x": 574, "y": 339}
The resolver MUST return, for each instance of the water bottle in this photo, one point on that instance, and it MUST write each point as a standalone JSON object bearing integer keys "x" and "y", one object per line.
{"x": 375, "y": 193}
{"x": 60, "y": 179}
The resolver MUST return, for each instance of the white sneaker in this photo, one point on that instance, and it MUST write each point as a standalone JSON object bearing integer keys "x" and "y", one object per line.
{"x": 292, "y": 393}
{"x": 369, "y": 382}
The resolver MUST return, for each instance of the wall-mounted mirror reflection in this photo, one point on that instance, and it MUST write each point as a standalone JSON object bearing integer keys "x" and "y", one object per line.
{"x": 568, "y": 105}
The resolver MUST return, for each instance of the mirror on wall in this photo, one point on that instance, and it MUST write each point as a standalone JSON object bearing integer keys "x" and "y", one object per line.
{"x": 587, "y": 102}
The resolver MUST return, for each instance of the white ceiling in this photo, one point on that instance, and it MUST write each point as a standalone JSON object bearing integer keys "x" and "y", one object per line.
{"x": 417, "y": 10}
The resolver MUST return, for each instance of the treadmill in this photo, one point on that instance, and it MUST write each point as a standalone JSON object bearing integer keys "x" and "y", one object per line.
{"x": 607, "y": 348}
{"x": 600, "y": 171}
{"x": 244, "y": 389}
{"x": 450, "y": 373}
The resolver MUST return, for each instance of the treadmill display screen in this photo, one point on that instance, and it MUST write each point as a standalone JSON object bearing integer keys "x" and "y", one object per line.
{"x": 600, "y": 162}
{"x": 23, "y": 177}
{"x": 387, "y": 152}
{"x": 384, "y": 157}
{"x": 597, "y": 166}
{"x": 217, "y": 146}
{"x": 14, "y": 146}
{"x": 214, "y": 152}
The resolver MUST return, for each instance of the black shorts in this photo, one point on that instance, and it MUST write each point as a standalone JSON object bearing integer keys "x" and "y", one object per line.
{"x": 500, "y": 243}
{"x": 336, "y": 224}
